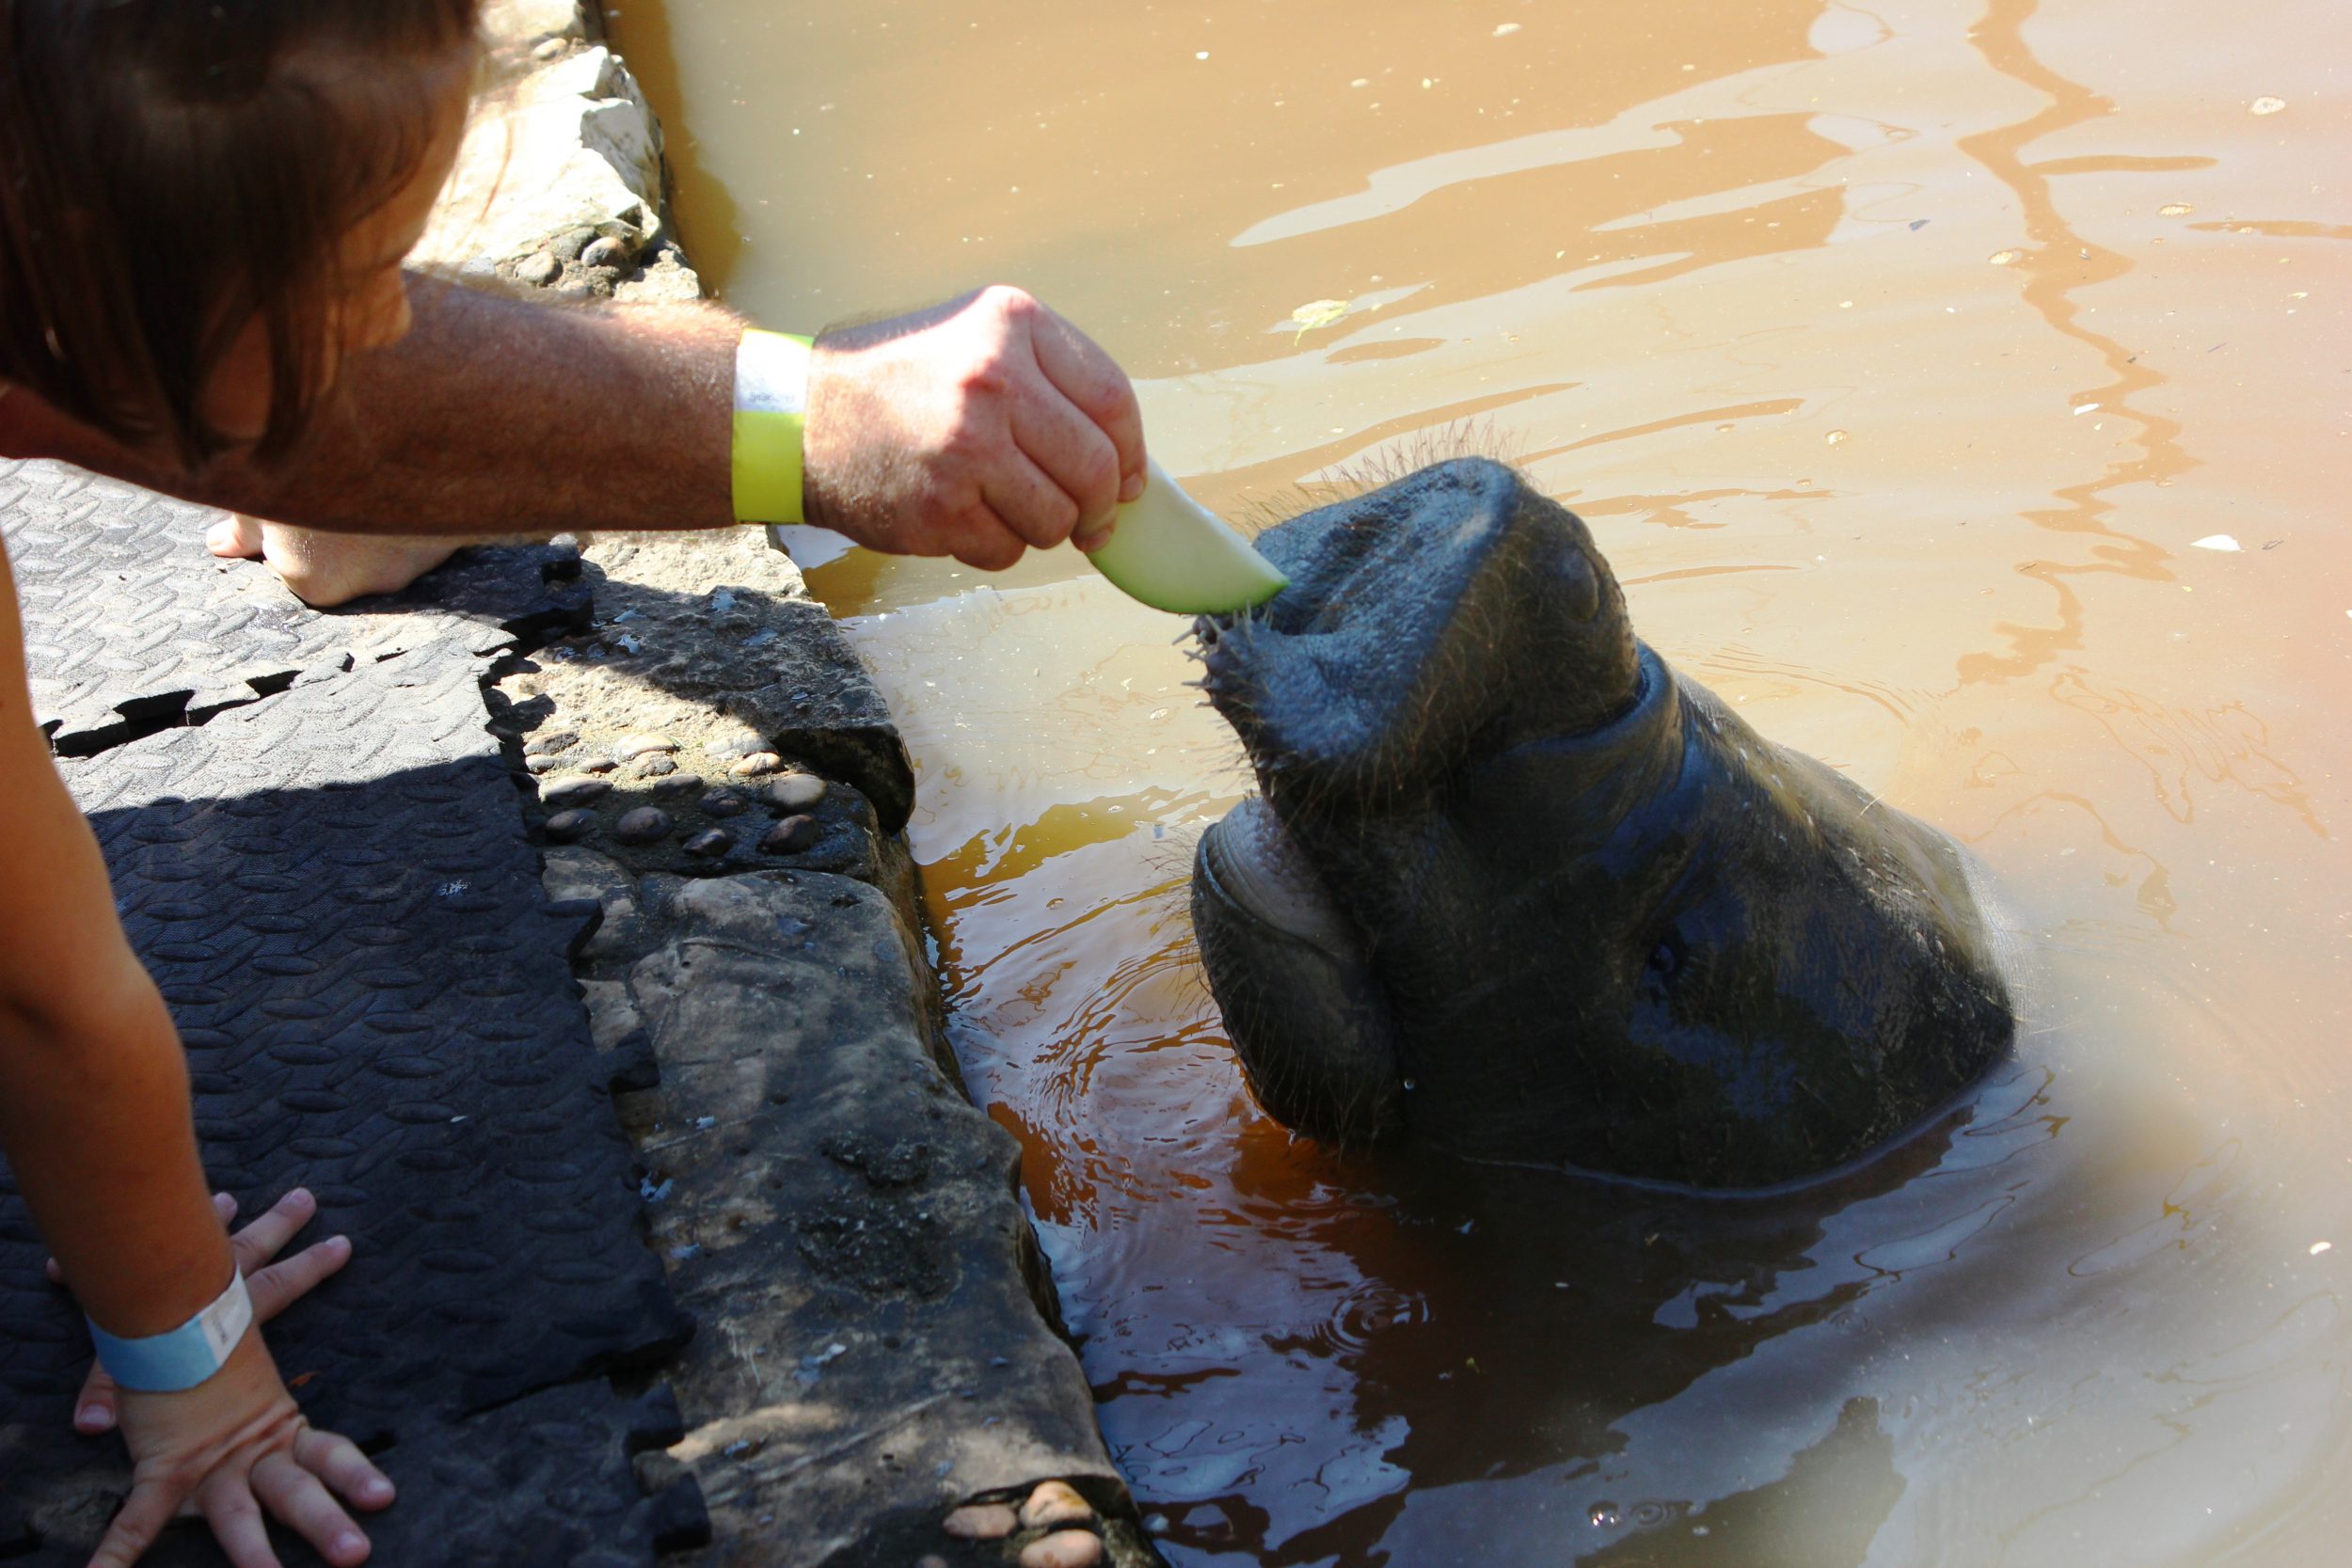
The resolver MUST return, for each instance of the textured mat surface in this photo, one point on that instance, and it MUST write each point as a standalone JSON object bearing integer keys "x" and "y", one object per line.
{"x": 333, "y": 889}
{"x": 129, "y": 620}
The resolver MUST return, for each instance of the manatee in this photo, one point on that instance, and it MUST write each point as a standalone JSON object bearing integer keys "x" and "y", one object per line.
{"x": 1513, "y": 887}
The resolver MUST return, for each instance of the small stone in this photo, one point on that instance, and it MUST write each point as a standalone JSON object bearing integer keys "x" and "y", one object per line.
{"x": 723, "y": 803}
{"x": 739, "y": 743}
{"x": 598, "y": 764}
{"x": 710, "y": 841}
{"x": 566, "y": 826}
{"x": 676, "y": 784}
{"x": 552, "y": 741}
{"x": 605, "y": 252}
{"x": 796, "y": 791}
{"x": 642, "y": 826}
{"x": 656, "y": 765}
{"x": 574, "y": 792}
{"x": 1068, "y": 1549}
{"x": 980, "y": 1522}
{"x": 792, "y": 835}
{"x": 755, "y": 765}
{"x": 631, "y": 747}
{"x": 567, "y": 246}
{"x": 542, "y": 765}
{"x": 575, "y": 286}
{"x": 1052, "y": 1504}
{"x": 538, "y": 269}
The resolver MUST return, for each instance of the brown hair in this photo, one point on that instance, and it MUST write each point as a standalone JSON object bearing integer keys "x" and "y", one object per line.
{"x": 171, "y": 168}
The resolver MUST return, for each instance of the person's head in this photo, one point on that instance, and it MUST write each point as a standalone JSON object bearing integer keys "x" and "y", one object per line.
{"x": 204, "y": 203}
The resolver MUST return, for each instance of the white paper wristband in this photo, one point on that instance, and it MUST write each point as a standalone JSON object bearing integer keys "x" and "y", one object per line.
{"x": 186, "y": 1356}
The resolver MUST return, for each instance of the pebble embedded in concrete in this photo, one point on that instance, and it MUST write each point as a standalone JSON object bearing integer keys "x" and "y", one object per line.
{"x": 723, "y": 803}
{"x": 656, "y": 765}
{"x": 605, "y": 252}
{"x": 1068, "y": 1549}
{"x": 676, "y": 784}
{"x": 710, "y": 841}
{"x": 755, "y": 765}
{"x": 792, "y": 835}
{"x": 642, "y": 826}
{"x": 598, "y": 764}
{"x": 538, "y": 269}
{"x": 980, "y": 1522}
{"x": 550, "y": 743}
{"x": 541, "y": 765}
{"x": 566, "y": 826}
{"x": 567, "y": 246}
{"x": 740, "y": 743}
{"x": 574, "y": 792}
{"x": 797, "y": 791}
{"x": 1055, "y": 1503}
{"x": 631, "y": 747}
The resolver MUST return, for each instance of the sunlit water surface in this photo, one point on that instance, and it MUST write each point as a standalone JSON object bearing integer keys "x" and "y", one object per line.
{"x": 1900, "y": 357}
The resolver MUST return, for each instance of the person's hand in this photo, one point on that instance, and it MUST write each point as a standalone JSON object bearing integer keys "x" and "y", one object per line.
{"x": 236, "y": 1445}
{"x": 974, "y": 429}
{"x": 274, "y": 1286}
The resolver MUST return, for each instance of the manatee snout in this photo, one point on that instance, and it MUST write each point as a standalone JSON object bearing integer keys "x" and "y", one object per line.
{"x": 1513, "y": 888}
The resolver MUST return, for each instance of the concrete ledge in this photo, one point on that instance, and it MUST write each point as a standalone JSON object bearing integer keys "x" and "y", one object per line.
{"x": 878, "y": 1376}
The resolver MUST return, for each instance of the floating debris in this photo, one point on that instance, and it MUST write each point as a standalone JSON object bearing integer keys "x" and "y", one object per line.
{"x": 2318, "y": 1247}
{"x": 2006, "y": 257}
{"x": 2266, "y": 106}
{"x": 2086, "y": 408}
{"x": 1315, "y": 313}
{"x": 2216, "y": 542}
{"x": 2175, "y": 210}
{"x": 1506, "y": 29}
{"x": 1835, "y": 436}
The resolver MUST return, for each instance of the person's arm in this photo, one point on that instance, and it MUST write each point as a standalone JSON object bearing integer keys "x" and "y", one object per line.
{"x": 973, "y": 429}
{"x": 95, "y": 1117}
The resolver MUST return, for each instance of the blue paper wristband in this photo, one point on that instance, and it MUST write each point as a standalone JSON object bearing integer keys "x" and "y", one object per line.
{"x": 186, "y": 1356}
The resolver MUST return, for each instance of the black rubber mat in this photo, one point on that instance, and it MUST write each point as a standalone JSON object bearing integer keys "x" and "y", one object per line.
{"x": 333, "y": 889}
{"x": 131, "y": 623}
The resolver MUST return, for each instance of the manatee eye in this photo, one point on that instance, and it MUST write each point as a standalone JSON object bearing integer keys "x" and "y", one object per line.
{"x": 1665, "y": 961}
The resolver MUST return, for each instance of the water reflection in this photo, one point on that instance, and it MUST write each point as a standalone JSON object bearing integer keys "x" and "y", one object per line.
{"x": 2055, "y": 264}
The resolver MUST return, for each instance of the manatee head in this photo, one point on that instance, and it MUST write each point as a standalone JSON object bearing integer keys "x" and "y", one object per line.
{"x": 1513, "y": 887}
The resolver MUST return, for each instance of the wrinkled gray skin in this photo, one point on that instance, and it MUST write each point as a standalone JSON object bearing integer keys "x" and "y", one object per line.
{"x": 1513, "y": 888}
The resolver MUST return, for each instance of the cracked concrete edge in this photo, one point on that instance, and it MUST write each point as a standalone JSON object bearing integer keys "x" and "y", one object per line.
{"x": 558, "y": 187}
{"x": 881, "y": 1349}
{"x": 875, "y": 1351}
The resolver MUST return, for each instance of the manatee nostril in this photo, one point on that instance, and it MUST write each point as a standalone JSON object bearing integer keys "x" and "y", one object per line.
{"x": 1579, "y": 583}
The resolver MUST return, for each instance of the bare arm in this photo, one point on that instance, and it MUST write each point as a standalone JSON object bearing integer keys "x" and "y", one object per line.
{"x": 95, "y": 1119}
{"x": 976, "y": 428}
{"x": 493, "y": 415}
{"x": 93, "y": 1088}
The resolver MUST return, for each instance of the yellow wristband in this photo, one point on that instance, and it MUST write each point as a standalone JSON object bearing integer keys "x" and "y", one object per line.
{"x": 770, "y": 419}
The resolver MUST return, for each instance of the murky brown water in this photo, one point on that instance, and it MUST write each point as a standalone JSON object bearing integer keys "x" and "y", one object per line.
{"x": 1900, "y": 357}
